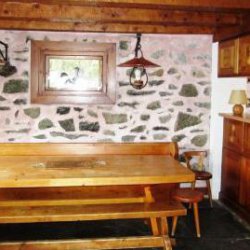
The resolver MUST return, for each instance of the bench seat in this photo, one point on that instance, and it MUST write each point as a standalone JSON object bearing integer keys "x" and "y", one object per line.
{"x": 28, "y": 214}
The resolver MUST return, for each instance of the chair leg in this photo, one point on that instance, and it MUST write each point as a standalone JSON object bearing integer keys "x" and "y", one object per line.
{"x": 192, "y": 187}
{"x": 174, "y": 224}
{"x": 196, "y": 219}
{"x": 209, "y": 192}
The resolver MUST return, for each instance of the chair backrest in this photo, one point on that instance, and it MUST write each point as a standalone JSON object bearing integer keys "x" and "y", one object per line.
{"x": 201, "y": 155}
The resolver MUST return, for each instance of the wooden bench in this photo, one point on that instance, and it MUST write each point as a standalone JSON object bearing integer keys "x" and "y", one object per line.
{"x": 21, "y": 201}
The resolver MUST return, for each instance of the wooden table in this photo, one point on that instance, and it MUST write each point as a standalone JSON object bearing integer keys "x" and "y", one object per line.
{"x": 58, "y": 188}
{"x": 90, "y": 170}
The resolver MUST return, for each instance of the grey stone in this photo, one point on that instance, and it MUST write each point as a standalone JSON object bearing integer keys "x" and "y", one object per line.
{"x": 22, "y": 51}
{"x": 19, "y": 131}
{"x": 67, "y": 125}
{"x": 11, "y": 139}
{"x": 157, "y": 54}
{"x": 89, "y": 126}
{"x": 198, "y": 73}
{"x": 32, "y": 112}
{"x": 2, "y": 99}
{"x": 155, "y": 83}
{"x": 7, "y": 70}
{"x": 145, "y": 117}
{"x": 41, "y": 137}
{"x": 129, "y": 104}
{"x": 63, "y": 110}
{"x": 172, "y": 86}
{"x": 189, "y": 110}
{"x": 188, "y": 90}
{"x": 172, "y": 71}
{"x": 159, "y": 136}
{"x": 186, "y": 120}
{"x": 122, "y": 84}
{"x": 181, "y": 58}
{"x": 4, "y": 108}
{"x": 25, "y": 73}
{"x": 68, "y": 136}
{"x": 158, "y": 73}
{"x": 154, "y": 105}
{"x": 123, "y": 45}
{"x": 109, "y": 132}
{"x": 143, "y": 137}
{"x": 165, "y": 118}
{"x": 7, "y": 121}
{"x": 205, "y": 105}
{"x": 16, "y": 113}
{"x": 206, "y": 65}
{"x": 21, "y": 59}
{"x": 92, "y": 113}
{"x": 207, "y": 91}
{"x": 15, "y": 86}
{"x": 140, "y": 93}
{"x": 178, "y": 103}
{"x": 138, "y": 129}
{"x": 45, "y": 124}
{"x": 115, "y": 118}
{"x": 20, "y": 101}
{"x": 165, "y": 93}
{"x": 128, "y": 138}
{"x": 157, "y": 128}
{"x": 177, "y": 138}
{"x": 202, "y": 83}
{"x": 199, "y": 140}
{"x": 123, "y": 127}
{"x": 171, "y": 110}
{"x": 77, "y": 109}
{"x": 196, "y": 131}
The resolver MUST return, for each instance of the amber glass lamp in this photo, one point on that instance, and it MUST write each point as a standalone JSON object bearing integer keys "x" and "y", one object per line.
{"x": 238, "y": 97}
{"x": 138, "y": 78}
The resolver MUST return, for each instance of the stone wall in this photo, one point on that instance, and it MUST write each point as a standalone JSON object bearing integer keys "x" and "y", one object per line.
{"x": 174, "y": 106}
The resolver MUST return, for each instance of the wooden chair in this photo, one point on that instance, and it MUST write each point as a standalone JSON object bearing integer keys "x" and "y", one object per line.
{"x": 200, "y": 174}
{"x": 190, "y": 196}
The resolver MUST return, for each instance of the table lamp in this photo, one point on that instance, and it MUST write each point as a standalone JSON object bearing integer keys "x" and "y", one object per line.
{"x": 238, "y": 97}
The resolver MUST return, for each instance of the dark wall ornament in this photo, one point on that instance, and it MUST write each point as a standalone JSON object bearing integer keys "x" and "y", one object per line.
{"x": 6, "y": 69}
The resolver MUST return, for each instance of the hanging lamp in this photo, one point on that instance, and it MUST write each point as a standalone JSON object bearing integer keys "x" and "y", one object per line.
{"x": 138, "y": 76}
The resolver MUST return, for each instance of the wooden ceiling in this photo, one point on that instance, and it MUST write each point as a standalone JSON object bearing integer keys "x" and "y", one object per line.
{"x": 222, "y": 18}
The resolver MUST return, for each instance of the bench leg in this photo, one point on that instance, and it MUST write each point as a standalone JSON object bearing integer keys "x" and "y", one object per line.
{"x": 175, "y": 220}
{"x": 167, "y": 243}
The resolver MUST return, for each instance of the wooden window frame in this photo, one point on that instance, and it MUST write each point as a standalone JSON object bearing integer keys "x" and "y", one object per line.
{"x": 40, "y": 50}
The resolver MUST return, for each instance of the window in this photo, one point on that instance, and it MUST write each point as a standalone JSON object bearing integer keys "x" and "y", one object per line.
{"x": 72, "y": 72}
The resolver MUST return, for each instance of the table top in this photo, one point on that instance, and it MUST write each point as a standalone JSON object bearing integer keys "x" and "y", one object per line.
{"x": 91, "y": 170}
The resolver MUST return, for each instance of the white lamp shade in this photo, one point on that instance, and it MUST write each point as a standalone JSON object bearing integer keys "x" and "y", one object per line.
{"x": 238, "y": 97}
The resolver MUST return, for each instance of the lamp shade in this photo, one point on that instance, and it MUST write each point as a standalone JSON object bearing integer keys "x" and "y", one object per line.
{"x": 238, "y": 97}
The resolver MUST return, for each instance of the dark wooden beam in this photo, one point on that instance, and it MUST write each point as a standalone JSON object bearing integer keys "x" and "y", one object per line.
{"x": 186, "y": 4}
{"x": 56, "y": 13}
{"x": 102, "y": 27}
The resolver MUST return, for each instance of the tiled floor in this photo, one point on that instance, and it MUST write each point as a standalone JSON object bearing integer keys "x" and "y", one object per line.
{"x": 220, "y": 230}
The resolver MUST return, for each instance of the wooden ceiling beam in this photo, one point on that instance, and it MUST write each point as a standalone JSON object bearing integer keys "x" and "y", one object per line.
{"x": 179, "y": 4}
{"x": 60, "y": 13}
{"x": 225, "y": 33}
{"x": 103, "y": 27}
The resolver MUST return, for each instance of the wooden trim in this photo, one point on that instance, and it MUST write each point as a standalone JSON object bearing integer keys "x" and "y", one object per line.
{"x": 78, "y": 149}
{"x": 93, "y": 244}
